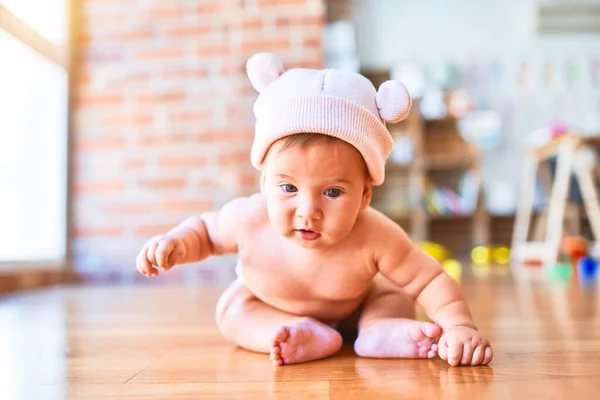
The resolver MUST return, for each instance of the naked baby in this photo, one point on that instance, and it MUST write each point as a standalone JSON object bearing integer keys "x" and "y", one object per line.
{"x": 315, "y": 261}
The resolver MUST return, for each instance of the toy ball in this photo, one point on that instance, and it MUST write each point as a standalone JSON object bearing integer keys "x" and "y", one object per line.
{"x": 437, "y": 251}
{"x": 561, "y": 271}
{"x": 587, "y": 267}
{"x": 574, "y": 247}
{"x": 453, "y": 268}
{"x": 480, "y": 255}
{"x": 501, "y": 255}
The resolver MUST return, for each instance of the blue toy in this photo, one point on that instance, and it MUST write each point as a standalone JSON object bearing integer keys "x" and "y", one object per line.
{"x": 587, "y": 267}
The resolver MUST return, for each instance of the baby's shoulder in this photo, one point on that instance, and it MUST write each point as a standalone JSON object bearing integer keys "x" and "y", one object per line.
{"x": 250, "y": 211}
{"x": 373, "y": 221}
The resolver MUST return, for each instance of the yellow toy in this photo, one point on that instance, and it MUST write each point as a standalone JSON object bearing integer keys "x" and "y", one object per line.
{"x": 453, "y": 268}
{"x": 437, "y": 251}
{"x": 501, "y": 255}
{"x": 480, "y": 255}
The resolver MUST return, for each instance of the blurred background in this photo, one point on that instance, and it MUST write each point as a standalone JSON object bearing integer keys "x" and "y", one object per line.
{"x": 120, "y": 118}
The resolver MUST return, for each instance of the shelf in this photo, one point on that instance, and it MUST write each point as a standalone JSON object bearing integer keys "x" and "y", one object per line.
{"x": 392, "y": 167}
{"x": 445, "y": 162}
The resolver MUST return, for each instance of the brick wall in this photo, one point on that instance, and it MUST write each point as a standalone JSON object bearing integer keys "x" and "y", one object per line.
{"x": 163, "y": 114}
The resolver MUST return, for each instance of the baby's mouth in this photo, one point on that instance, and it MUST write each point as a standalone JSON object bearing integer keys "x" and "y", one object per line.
{"x": 306, "y": 234}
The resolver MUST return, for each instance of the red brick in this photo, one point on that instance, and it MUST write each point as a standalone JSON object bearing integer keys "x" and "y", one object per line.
{"x": 187, "y": 30}
{"x": 126, "y": 36}
{"x": 248, "y": 179}
{"x": 212, "y": 49}
{"x": 221, "y": 135}
{"x": 101, "y": 230}
{"x": 195, "y": 115}
{"x": 273, "y": 44}
{"x": 186, "y": 205}
{"x": 233, "y": 68}
{"x": 207, "y": 183}
{"x": 251, "y": 23}
{"x": 100, "y": 99}
{"x": 238, "y": 112}
{"x": 153, "y": 229}
{"x": 184, "y": 73}
{"x": 98, "y": 187}
{"x": 163, "y": 183}
{"x": 209, "y": 8}
{"x": 182, "y": 161}
{"x": 93, "y": 143}
{"x": 300, "y": 21}
{"x": 134, "y": 164}
{"x": 237, "y": 158}
{"x": 135, "y": 120}
{"x": 161, "y": 140}
{"x": 161, "y": 97}
{"x": 312, "y": 42}
{"x": 280, "y": 2}
{"x": 160, "y": 54}
{"x": 134, "y": 208}
{"x": 164, "y": 11}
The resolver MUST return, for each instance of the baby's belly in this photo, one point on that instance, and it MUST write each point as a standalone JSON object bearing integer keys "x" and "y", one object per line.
{"x": 301, "y": 299}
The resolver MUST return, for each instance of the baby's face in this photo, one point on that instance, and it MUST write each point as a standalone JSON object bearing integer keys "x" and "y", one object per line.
{"x": 314, "y": 194}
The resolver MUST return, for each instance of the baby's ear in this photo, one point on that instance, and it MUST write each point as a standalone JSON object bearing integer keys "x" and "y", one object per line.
{"x": 393, "y": 101}
{"x": 262, "y": 69}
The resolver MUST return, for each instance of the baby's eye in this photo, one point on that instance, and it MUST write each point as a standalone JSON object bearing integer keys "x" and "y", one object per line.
{"x": 333, "y": 192}
{"x": 286, "y": 187}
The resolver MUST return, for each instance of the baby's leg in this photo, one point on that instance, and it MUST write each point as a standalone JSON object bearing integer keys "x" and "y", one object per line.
{"x": 254, "y": 325}
{"x": 387, "y": 328}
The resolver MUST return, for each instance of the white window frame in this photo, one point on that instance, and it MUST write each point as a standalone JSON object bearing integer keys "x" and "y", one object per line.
{"x": 64, "y": 57}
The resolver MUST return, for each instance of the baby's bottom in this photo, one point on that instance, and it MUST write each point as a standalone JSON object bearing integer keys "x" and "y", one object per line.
{"x": 383, "y": 324}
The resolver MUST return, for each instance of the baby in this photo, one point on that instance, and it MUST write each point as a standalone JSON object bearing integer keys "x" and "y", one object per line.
{"x": 315, "y": 262}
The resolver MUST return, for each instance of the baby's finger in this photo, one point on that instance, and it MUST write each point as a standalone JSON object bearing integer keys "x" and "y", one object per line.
{"x": 489, "y": 355}
{"x": 455, "y": 352}
{"x": 467, "y": 353}
{"x": 151, "y": 253}
{"x": 478, "y": 355}
{"x": 142, "y": 264}
{"x": 443, "y": 349}
{"x": 164, "y": 249}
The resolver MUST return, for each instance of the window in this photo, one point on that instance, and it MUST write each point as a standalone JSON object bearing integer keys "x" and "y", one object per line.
{"x": 33, "y": 132}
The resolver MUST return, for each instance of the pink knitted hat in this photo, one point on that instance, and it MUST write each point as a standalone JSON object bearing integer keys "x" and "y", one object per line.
{"x": 332, "y": 102}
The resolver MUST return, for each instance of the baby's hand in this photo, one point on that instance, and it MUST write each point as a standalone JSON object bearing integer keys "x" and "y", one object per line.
{"x": 163, "y": 251}
{"x": 462, "y": 345}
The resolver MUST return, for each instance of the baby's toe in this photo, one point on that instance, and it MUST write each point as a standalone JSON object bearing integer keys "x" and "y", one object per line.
{"x": 455, "y": 353}
{"x": 489, "y": 354}
{"x": 478, "y": 355}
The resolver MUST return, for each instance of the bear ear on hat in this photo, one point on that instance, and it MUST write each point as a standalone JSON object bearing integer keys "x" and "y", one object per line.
{"x": 262, "y": 69}
{"x": 393, "y": 101}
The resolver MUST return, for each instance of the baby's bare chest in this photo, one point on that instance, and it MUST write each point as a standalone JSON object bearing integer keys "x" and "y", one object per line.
{"x": 281, "y": 271}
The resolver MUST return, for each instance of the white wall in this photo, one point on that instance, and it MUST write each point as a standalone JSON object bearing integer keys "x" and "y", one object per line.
{"x": 477, "y": 33}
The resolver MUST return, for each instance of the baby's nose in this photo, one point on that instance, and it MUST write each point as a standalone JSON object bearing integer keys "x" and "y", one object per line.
{"x": 308, "y": 210}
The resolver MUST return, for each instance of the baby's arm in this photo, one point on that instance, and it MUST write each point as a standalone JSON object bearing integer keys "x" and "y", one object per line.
{"x": 198, "y": 237}
{"x": 424, "y": 280}
{"x": 214, "y": 232}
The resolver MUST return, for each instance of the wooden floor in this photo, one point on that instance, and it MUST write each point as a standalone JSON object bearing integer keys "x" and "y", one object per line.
{"x": 161, "y": 342}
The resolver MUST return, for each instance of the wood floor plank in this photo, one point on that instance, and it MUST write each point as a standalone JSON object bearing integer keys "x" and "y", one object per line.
{"x": 155, "y": 341}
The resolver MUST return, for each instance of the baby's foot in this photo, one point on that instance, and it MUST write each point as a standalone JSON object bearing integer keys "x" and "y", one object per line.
{"x": 398, "y": 338}
{"x": 304, "y": 341}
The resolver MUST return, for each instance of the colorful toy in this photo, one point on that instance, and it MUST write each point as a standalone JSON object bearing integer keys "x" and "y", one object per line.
{"x": 560, "y": 271}
{"x": 501, "y": 255}
{"x": 435, "y": 250}
{"x": 453, "y": 268}
{"x": 574, "y": 247}
{"x": 587, "y": 268}
{"x": 481, "y": 255}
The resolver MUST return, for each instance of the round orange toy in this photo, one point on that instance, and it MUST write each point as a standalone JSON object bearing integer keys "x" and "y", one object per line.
{"x": 574, "y": 247}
